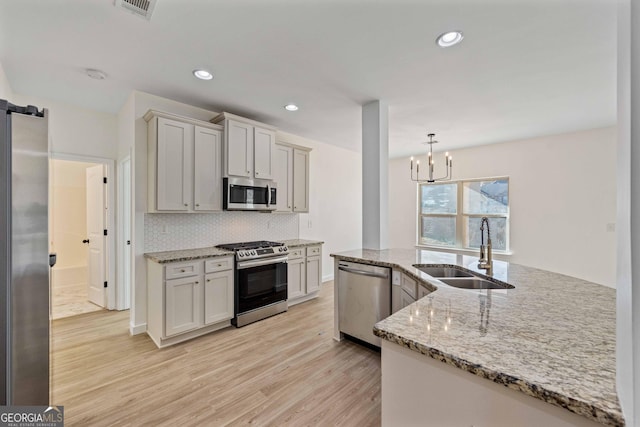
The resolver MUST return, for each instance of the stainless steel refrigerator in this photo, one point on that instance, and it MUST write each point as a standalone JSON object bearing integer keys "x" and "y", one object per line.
{"x": 24, "y": 255}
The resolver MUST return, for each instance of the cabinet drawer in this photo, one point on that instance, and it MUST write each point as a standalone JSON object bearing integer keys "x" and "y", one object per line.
{"x": 313, "y": 250}
{"x": 182, "y": 269}
{"x": 296, "y": 253}
{"x": 218, "y": 264}
{"x": 409, "y": 286}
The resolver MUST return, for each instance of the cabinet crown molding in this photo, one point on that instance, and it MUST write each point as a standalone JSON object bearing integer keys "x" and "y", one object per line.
{"x": 155, "y": 113}
{"x": 292, "y": 145}
{"x": 228, "y": 116}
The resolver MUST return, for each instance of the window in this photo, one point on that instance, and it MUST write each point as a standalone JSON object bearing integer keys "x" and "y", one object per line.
{"x": 449, "y": 213}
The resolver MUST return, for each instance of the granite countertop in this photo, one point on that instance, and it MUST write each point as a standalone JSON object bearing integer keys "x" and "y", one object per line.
{"x": 187, "y": 254}
{"x": 552, "y": 337}
{"x": 211, "y": 252}
{"x": 292, "y": 243}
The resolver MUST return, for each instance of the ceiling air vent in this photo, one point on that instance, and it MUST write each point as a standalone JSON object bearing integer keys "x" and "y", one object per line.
{"x": 141, "y": 8}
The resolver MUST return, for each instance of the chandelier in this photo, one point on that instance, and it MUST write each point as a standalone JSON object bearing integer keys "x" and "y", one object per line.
{"x": 447, "y": 159}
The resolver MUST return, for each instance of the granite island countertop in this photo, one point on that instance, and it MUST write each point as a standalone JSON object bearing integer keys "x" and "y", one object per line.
{"x": 552, "y": 337}
{"x": 212, "y": 252}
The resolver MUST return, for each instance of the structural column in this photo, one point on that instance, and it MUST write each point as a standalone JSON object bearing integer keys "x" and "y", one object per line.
{"x": 628, "y": 218}
{"x": 375, "y": 181}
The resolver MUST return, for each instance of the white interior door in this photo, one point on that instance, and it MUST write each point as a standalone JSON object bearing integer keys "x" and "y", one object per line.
{"x": 95, "y": 233}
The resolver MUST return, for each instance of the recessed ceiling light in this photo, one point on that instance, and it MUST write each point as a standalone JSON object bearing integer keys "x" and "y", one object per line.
{"x": 291, "y": 107}
{"x": 449, "y": 38}
{"x": 96, "y": 74}
{"x": 203, "y": 74}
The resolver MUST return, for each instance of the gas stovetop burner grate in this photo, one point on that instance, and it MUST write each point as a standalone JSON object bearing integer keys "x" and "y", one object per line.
{"x": 249, "y": 245}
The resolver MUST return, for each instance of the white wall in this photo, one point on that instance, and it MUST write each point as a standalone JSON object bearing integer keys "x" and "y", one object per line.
{"x": 335, "y": 205}
{"x": 76, "y": 130}
{"x": 562, "y": 196}
{"x": 5, "y": 87}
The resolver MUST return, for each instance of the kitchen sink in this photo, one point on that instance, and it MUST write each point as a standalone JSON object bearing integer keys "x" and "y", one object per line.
{"x": 443, "y": 271}
{"x": 473, "y": 283}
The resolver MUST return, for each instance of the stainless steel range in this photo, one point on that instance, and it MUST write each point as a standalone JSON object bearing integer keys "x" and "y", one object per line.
{"x": 260, "y": 280}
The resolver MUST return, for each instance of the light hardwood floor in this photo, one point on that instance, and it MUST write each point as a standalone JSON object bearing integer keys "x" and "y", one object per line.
{"x": 285, "y": 370}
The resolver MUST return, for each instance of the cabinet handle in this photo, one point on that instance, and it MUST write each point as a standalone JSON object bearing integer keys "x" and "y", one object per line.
{"x": 183, "y": 271}
{"x": 219, "y": 265}
{"x": 257, "y": 173}
{"x": 186, "y": 204}
{"x": 197, "y": 283}
{"x": 197, "y": 205}
{"x": 208, "y": 280}
{"x": 289, "y": 206}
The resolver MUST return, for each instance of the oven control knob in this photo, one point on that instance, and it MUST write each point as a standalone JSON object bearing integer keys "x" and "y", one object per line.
{"x": 240, "y": 254}
{"x": 253, "y": 253}
{"x": 285, "y": 249}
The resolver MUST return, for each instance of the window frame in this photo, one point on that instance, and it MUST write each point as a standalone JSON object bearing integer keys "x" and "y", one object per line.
{"x": 461, "y": 217}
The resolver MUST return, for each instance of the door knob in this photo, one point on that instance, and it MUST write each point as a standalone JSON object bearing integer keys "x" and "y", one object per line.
{"x": 85, "y": 241}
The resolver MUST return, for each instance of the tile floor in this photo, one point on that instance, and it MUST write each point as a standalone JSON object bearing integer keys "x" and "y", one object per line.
{"x": 70, "y": 300}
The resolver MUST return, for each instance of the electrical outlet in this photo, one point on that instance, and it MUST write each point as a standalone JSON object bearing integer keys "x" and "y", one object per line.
{"x": 165, "y": 229}
{"x": 269, "y": 224}
{"x": 611, "y": 227}
{"x": 309, "y": 224}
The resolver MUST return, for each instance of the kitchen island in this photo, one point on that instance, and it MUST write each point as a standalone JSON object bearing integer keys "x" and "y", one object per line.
{"x": 549, "y": 339}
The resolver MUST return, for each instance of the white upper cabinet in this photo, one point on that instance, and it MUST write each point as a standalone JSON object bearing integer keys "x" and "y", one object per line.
{"x": 249, "y": 147}
{"x": 175, "y": 149}
{"x": 207, "y": 171}
{"x": 184, "y": 164}
{"x": 239, "y": 148}
{"x": 292, "y": 177}
{"x": 264, "y": 141}
{"x": 300, "y": 180}
{"x": 284, "y": 178}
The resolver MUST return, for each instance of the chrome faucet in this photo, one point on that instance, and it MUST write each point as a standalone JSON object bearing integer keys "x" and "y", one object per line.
{"x": 486, "y": 260}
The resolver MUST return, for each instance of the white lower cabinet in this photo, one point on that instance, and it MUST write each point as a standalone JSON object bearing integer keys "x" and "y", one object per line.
{"x": 218, "y": 297}
{"x": 406, "y": 299}
{"x": 296, "y": 278}
{"x": 304, "y": 273}
{"x": 182, "y": 305}
{"x": 188, "y": 299}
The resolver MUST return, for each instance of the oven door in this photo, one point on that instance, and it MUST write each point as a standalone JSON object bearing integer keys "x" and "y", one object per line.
{"x": 260, "y": 283}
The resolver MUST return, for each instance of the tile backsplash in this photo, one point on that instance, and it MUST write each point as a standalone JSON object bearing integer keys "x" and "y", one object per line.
{"x": 168, "y": 232}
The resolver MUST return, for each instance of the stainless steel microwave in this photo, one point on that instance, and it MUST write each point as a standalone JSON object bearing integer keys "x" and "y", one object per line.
{"x": 243, "y": 194}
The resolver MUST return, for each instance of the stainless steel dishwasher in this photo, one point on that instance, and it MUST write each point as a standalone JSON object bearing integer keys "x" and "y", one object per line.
{"x": 364, "y": 298}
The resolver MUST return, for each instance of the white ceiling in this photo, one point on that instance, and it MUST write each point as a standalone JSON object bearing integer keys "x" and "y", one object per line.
{"x": 526, "y": 68}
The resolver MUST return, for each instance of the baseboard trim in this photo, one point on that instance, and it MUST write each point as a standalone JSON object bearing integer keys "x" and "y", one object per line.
{"x": 137, "y": 329}
{"x": 327, "y": 278}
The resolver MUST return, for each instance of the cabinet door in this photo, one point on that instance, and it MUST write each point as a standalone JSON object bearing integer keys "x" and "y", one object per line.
{"x": 207, "y": 170}
{"x": 284, "y": 178}
{"x": 183, "y": 305}
{"x": 264, "y": 143}
{"x": 218, "y": 296}
{"x": 239, "y": 149}
{"x": 406, "y": 299}
{"x": 422, "y": 292}
{"x": 313, "y": 273}
{"x": 296, "y": 277}
{"x": 300, "y": 181}
{"x": 175, "y": 167}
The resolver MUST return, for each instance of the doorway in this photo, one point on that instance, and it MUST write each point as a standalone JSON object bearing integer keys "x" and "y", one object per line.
{"x": 78, "y": 223}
